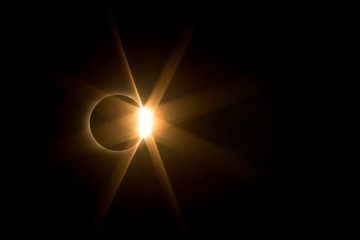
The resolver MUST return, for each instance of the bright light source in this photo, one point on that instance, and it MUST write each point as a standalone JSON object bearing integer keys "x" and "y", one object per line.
{"x": 145, "y": 122}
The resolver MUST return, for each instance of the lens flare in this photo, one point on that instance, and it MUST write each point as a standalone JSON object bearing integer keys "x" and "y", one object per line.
{"x": 145, "y": 122}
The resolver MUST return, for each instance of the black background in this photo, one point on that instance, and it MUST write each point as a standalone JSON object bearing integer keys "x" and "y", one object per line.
{"x": 249, "y": 45}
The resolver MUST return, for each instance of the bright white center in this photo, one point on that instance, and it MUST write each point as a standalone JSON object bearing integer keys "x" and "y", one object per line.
{"x": 145, "y": 122}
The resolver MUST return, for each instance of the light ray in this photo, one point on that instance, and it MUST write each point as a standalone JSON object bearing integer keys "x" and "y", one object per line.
{"x": 164, "y": 179}
{"x": 112, "y": 139}
{"x": 208, "y": 100}
{"x": 76, "y": 140}
{"x": 123, "y": 55}
{"x": 202, "y": 150}
{"x": 112, "y": 187}
{"x": 169, "y": 69}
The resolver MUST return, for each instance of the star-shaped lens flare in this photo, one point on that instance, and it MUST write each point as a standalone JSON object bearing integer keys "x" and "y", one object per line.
{"x": 145, "y": 124}
{"x": 124, "y": 131}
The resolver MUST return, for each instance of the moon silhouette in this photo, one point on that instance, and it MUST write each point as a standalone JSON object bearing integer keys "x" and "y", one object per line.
{"x": 114, "y": 122}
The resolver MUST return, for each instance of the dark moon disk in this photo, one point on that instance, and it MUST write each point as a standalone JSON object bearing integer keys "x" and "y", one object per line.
{"x": 114, "y": 122}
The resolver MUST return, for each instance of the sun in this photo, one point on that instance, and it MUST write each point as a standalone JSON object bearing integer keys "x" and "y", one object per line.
{"x": 145, "y": 122}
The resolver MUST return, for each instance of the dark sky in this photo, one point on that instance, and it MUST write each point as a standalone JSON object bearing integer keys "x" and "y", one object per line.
{"x": 248, "y": 46}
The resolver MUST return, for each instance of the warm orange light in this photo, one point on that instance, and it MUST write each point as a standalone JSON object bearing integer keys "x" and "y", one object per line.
{"x": 145, "y": 122}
